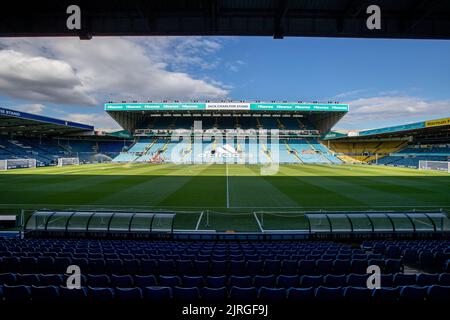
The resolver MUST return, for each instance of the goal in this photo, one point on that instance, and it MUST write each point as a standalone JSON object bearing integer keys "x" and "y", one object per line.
{"x": 434, "y": 165}
{"x": 9, "y": 164}
{"x": 68, "y": 161}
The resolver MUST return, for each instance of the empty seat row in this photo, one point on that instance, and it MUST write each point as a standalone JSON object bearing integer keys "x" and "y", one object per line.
{"x": 183, "y": 267}
{"x": 197, "y": 256}
{"x": 155, "y": 294}
{"x": 284, "y": 281}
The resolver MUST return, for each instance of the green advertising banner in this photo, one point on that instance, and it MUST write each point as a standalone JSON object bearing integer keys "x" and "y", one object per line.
{"x": 227, "y": 106}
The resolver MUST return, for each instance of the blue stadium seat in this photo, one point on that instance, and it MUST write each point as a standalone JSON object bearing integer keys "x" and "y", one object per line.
{"x": 237, "y": 267}
{"x": 401, "y": 279}
{"x": 115, "y": 266}
{"x": 357, "y": 280}
{"x": 393, "y": 266}
{"x": 307, "y": 267}
{"x": 182, "y": 294}
{"x": 285, "y": 281}
{"x": 73, "y": 295}
{"x": 51, "y": 279}
{"x": 311, "y": 281}
{"x": 142, "y": 281}
{"x": 264, "y": 281}
{"x": 193, "y": 281}
{"x": 413, "y": 293}
{"x": 132, "y": 266}
{"x": 272, "y": 294}
{"x": 437, "y": 293}
{"x": 359, "y": 266}
{"x": 240, "y": 281}
{"x": 424, "y": 279}
{"x": 385, "y": 295}
{"x": 169, "y": 281}
{"x": 98, "y": 280}
{"x": 61, "y": 264}
{"x": 243, "y": 294}
{"x": 19, "y": 293}
{"x": 334, "y": 281}
{"x": 149, "y": 266}
{"x": 387, "y": 280}
{"x": 44, "y": 293}
{"x": 128, "y": 294}
{"x": 27, "y": 279}
{"x": 28, "y": 265}
{"x": 201, "y": 267}
{"x": 122, "y": 281}
{"x": 254, "y": 267}
{"x": 289, "y": 267}
{"x": 300, "y": 294}
{"x": 214, "y": 295}
{"x": 96, "y": 266}
{"x": 8, "y": 278}
{"x": 272, "y": 266}
{"x": 184, "y": 267}
{"x": 218, "y": 267}
{"x": 216, "y": 281}
{"x": 324, "y": 266}
{"x": 10, "y": 264}
{"x": 100, "y": 294}
{"x": 329, "y": 294}
{"x": 341, "y": 266}
{"x": 359, "y": 294}
{"x": 158, "y": 294}
{"x": 444, "y": 279}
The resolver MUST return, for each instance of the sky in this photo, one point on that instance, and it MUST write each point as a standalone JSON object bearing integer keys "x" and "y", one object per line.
{"x": 385, "y": 82}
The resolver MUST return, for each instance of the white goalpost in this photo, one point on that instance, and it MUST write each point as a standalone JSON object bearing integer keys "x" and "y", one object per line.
{"x": 68, "y": 161}
{"x": 8, "y": 164}
{"x": 434, "y": 165}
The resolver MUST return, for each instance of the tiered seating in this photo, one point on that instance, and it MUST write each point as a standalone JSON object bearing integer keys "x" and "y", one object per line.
{"x": 412, "y": 155}
{"x": 189, "y": 271}
{"x": 366, "y": 151}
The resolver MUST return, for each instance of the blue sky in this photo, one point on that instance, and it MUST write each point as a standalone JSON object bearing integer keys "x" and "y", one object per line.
{"x": 386, "y": 82}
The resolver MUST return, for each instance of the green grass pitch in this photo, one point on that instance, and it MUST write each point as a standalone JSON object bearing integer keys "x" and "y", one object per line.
{"x": 231, "y": 195}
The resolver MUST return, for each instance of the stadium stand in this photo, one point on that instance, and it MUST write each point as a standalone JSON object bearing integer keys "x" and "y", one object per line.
{"x": 33, "y": 269}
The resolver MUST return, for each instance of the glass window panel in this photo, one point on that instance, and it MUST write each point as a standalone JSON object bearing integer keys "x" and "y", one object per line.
{"x": 141, "y": 222}
{"x": 360, "y": 222}
{"x": 319, "y": 223}
{"x": 401, "y": 222}
{"x": 120, "y": 221}
{"x": 162, "y": 222}
{"x": 100, "y": 221}
{"x": 421, "y": 222}
{"x": 58, "y": 221}
{"x": 79, "y": 221}
{"x": 40, "y": 220}
{"x": 339, "y": 223}
{"x": 441, "y": 221}
{"x": 380, "y": 222}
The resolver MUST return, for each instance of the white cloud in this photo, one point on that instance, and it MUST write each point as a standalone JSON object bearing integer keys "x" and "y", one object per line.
{"x": 35, "y": 108}
{"x": 37, "y": 78}
{"x": 71, "y": 71}
{"x": 102, "y": 121}
{"x": 388, "y": 110}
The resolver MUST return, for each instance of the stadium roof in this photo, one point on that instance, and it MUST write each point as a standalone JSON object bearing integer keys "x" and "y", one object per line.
{"x": 18, "y": 122}
{"x": 437, "y": 127}
{"x": 133, "y": 115}
{"x": 427, "y": 19}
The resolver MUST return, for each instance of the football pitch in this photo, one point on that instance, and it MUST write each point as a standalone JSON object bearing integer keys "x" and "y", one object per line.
{"x": 224, "y": 197}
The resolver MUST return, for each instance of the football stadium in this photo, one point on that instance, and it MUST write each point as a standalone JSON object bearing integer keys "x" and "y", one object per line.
{"x": 200, "y": 203}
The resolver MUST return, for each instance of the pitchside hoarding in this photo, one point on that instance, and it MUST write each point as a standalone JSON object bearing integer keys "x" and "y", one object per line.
{"x": 223, "y": 106}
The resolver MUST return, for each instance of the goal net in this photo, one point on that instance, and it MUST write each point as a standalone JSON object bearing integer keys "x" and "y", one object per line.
{"x": 434, "y": 165}
{"x": 8, "y": 164}
{"x": 68, "y": 161}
